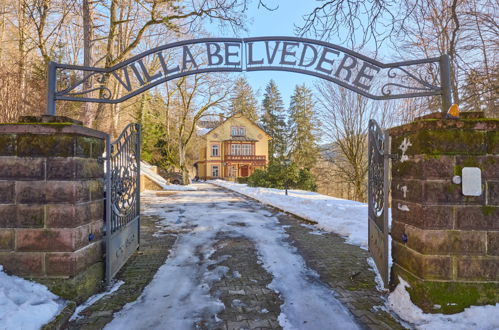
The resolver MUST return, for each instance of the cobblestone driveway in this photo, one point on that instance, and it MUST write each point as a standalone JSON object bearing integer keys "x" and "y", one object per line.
{"x": 249, "y": 303}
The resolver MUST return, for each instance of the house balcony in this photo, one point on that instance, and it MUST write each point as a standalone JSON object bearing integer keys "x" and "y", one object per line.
{"x": 253, "y": 159}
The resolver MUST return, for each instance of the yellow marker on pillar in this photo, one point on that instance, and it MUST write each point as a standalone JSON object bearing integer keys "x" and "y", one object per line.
{"x": 453, "y": 112}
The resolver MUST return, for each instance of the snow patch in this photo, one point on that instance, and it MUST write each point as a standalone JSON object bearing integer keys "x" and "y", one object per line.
{"x": 93, "y": 299}
{"x": 26, "y": 305}
{"x": 474, "y": 317}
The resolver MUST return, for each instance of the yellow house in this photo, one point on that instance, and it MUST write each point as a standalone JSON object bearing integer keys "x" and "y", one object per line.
{"x": 232, "y": 148}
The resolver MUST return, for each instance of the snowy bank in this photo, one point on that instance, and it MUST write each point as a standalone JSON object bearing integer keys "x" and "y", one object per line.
{"x": 26, "y": 305}
{"x": 146, "y": 169}
{"x": 344, "y": 217}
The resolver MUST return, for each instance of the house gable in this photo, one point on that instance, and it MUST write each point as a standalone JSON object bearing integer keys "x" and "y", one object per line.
{"x": 223, "y": 131}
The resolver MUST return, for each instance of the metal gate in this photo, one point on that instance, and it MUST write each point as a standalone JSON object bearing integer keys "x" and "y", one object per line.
{"x": 378, "y": 190}
{"x": 122, "y": 199}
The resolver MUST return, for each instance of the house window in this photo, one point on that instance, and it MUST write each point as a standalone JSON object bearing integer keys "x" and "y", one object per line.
{"x": 241, "y": 149}
{"x": 214, "y": 150}
{"x": 232, "y": 171}
{"x": 214, "y": 171}
{"x": 238, "y": 131}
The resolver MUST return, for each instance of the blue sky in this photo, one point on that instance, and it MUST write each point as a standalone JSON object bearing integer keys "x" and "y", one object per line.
{"x": 280, "y": 22}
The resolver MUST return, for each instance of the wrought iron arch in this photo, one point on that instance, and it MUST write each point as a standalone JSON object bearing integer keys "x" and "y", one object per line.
{"x": 349, "y": 69}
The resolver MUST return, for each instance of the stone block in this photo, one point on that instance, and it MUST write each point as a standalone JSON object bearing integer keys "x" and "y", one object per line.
{"x": 46, "y": 240}
{"x": 8, "y": 217}
{"x": 97, "y": 210}
{"x": 84, "y": 146}
{"x": 98, "y": 148}
{"x": 22, "y": 168}
{"x": 79, "y": 287}
{"x": 88, "y": 233}
{"x": 8, "y": 144}
{"x": 30, "y": 216}
{"x": 45, "y": 145}
{"x": 6, "y": 239}
{"x": 60, "y": 168}
{"x": 89, "y": 169}
{"x": 442, "y": 242}
{"x": 6, "y": 192}
{"x": 42, "y": 192}
{"x": 407, "y": 190}
{"x": 82, "y": 191}
{"x": 70, "y": 264}
{"x": 67, "y": 215}
{"x": 422, "y": 266}
{"x": 424, "y": 167}
{"x": 478, "y": 268}
{"x": 493, "y": 142}
{"x": 446, "y": 192}
{"x": 60, "y": 264}
{"x": 477, "y": 217}
{"x": 493, "y": 193}
{"x": 23, "y": 264}
{"x": 437, "y": 267}
{"x": 397, "y": 230}
{"x": 423, "y": 216}
{"x": 442, "y": 142}
{"x": 493, "y": 243}
{"x": 96, "y": 188}
{"x": 407, "y": 258}
{"x": 489, "y": 165}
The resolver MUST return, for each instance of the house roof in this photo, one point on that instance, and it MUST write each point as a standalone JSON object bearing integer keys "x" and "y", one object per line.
{"x": 202, "y": 131}
{"x": 241, "y": 138}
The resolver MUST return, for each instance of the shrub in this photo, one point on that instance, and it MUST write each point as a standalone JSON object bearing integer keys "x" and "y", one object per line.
{"x": 242, "y": 180}
{"x": 277, "y": 175}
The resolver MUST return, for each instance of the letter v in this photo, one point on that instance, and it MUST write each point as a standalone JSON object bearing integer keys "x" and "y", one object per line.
{"x": 270, "y": 58}
{"x": 128, "y": 85}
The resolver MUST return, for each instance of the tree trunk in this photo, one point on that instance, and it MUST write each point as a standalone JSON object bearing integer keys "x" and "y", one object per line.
{"x": 182, "y": 162}
{"x": 86, "y": 114}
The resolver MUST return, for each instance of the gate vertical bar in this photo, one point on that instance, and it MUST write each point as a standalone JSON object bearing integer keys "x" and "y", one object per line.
{"x": 386, "y": 198}
{"x": 445, "y": 82}
{"x": 137, "y": 153}
{"x": 108, "y": 210}
{"x": 51, "y": 76}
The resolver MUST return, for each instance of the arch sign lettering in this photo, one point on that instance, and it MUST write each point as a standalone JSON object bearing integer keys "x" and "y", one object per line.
{"x": 342, "y": 66}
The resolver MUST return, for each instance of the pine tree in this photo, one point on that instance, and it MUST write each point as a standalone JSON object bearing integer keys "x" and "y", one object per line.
{"x": 273, "y": 121}
{"x": 243, "y": 100}
{"x": 303, "y": 127}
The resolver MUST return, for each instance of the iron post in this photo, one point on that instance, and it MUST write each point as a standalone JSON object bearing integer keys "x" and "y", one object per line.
{"x": 51, "y": 88}
{"x": 108, "y": 210}
{"x": 445, "y": 82}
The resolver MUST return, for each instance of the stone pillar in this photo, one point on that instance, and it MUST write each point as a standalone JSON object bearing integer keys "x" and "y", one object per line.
{"x": 51, "y": 204}
{"x": 445, "y": 244}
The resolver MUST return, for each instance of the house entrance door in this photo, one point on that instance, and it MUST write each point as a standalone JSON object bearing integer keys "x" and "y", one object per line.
{"x": 244, "y": 171}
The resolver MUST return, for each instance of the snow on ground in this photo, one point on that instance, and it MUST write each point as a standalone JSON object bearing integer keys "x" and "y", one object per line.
{"x": 179, "y": 294}
{"x": 93, "y": 299}
{"x": 146, "y": 169}
{"x": 26, "y": 305}
{"x": 474, "y": 317}
{"x": 349, "y": 219}
{"x": 331, "y": 214}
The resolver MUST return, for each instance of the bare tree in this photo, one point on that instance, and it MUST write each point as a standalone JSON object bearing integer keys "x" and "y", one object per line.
{"x": 344, "y": 121}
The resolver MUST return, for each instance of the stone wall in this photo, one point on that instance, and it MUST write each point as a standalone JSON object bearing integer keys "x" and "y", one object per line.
{"x": 445, "y": 244}
{"x": 51, "y": 204}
